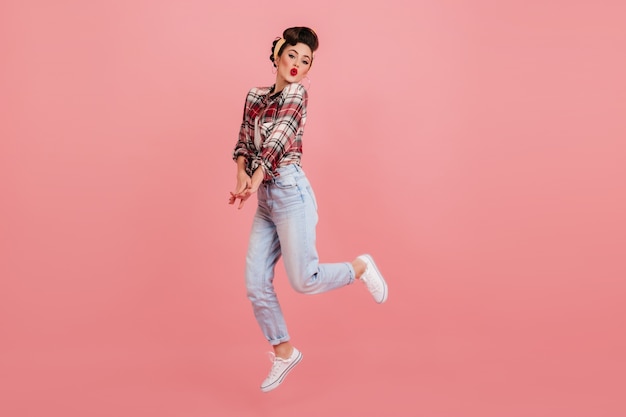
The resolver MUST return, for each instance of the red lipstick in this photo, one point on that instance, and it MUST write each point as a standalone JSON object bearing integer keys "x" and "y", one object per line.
{"x": 294, "y": 72}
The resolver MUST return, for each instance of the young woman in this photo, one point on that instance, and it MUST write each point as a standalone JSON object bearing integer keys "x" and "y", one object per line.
{"x": 268, "y": 155}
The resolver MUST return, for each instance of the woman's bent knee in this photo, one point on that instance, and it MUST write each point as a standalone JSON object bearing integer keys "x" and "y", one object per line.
{"x": 305, "y": 286}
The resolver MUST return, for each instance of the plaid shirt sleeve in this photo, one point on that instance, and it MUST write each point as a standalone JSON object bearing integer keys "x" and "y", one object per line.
{"x": 285, "y": 135}
{"x": 242, "y": 148}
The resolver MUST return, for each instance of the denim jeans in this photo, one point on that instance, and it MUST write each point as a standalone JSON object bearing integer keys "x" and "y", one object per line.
{"x": 284, "y": 225}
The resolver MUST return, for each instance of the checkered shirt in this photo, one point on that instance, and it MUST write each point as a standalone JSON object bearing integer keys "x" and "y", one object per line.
{"x": 281, "y": 118}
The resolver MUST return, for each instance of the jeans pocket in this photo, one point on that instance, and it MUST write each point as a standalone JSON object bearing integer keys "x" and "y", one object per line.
{"x": 285, "y": 181}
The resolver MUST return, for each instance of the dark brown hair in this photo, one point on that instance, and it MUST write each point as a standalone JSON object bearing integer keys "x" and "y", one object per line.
{"x": 294, "y": 35}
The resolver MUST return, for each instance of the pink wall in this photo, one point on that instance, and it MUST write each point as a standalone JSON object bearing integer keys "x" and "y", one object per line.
{"x": 475, "y": 148}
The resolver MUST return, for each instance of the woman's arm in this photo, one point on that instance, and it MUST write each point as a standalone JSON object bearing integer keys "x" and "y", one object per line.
{"x": 243, "y": 179}
{"x": 241, "y": 155}
{"x": 242, "y": 146}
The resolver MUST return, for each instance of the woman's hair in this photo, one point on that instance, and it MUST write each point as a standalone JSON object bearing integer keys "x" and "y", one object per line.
{"x": 292, "y": 36}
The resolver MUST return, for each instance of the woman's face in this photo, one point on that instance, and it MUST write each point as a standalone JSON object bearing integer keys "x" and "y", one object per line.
{"x": 294, "y": 63}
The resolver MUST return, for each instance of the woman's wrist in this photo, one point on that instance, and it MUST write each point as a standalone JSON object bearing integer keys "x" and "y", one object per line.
{"x": 258, "y": 175}
{"x": 241, "y": 164}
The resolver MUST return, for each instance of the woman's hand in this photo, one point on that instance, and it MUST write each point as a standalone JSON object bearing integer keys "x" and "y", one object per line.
{"x": 246, "y": 186}
{"x": 244, "y": 183}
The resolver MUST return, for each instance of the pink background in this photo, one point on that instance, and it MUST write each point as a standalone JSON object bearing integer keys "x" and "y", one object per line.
{"x": 476, "y": 149}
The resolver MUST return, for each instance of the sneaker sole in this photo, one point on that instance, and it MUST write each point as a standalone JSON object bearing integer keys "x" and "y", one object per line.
{"x": 385, "y": 292}
{"x": 282, "y": 376}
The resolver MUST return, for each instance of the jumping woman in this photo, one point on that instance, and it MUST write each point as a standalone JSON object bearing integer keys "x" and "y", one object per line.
{"x": 268, "y": 155}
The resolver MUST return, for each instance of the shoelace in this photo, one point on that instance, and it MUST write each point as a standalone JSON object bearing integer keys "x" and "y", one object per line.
{"x": 275, "y": 360}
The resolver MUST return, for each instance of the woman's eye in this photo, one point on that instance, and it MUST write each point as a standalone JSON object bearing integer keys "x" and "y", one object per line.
{"x": 292, "y": 56}
{"x": 305, "y": 62}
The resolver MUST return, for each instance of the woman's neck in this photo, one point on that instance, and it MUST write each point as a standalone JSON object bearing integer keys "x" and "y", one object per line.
{"x": 280, "y": 84}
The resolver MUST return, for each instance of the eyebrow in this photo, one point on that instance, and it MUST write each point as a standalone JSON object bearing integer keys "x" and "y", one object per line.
{"x": 304, "y": 56}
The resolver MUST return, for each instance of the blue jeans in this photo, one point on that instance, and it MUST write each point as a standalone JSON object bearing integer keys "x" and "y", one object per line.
{"x": 284, "y": 224}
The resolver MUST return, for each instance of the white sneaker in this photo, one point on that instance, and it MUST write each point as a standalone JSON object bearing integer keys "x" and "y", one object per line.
{"x": 280, "y": 369}
{"x": 373, "y": 280}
